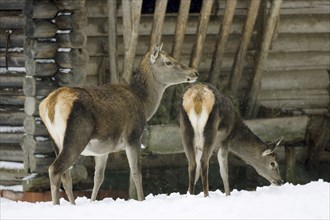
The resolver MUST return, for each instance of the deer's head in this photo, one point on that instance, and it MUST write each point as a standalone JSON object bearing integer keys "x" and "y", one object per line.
{"x": 267, "y": 163}
{"x": 165, "y": 69}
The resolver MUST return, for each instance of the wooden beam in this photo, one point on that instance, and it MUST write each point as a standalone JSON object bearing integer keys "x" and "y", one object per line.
{"x": 166, "y": 139}
{"x": 180, "y": 28}
{"x": 112, "y": 39}
{"x": 201, "y": 33}
{"x": 158, "y": 23}
{"x": 222, "y": 40}
{"x": 136, "y": 6}
{"x": 238, "y": 66}
{"x": 271, "y": 23}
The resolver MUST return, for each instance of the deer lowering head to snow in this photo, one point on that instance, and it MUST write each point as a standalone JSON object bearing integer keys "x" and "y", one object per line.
{"x": 108, "y": 118}
{"x": 208, "y": 124}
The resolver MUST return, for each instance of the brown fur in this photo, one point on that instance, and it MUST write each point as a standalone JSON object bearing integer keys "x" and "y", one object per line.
{"x": 224, "y": 131}
{"x": 64, "y": 97}
{"x": 108, "y": 118}
{"x": 197, "y": 98}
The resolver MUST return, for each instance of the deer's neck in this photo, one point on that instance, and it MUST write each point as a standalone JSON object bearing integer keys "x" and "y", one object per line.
{"x": 150, "y": 92}
{"x": 244, "y": 143}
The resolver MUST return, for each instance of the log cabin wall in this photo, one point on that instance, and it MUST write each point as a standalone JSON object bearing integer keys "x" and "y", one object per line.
{"x": 271, "y": 57}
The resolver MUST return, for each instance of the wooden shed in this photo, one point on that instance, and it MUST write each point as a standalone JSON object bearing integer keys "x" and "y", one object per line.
{"x": 272, "y": 57}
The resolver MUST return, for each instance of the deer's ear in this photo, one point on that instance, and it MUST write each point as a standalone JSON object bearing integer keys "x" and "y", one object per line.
{"x": 272, "y": 147}
{"x": 155, "y": 53}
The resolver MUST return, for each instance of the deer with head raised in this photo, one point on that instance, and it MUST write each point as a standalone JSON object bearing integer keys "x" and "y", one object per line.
{"x": 209, "y": 124}
{"x": 108, "y": 118}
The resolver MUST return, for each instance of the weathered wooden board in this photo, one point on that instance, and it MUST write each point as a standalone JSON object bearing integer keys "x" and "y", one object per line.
{"x": 166, "y": 139}
{"x": 11, "y": 153}
{"x": 12, "y": 117}
{"x": 295, "y": 79}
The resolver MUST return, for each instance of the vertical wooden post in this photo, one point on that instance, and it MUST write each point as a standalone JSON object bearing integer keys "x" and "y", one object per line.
{"x": 238, "y": 66}
{"x": 127, "y": 22}
{"x": 270, "y": 27}
{"x": 136, "y": 6}
{"x": 157, "y": 26}
{"x": 201, "y": 33}
{"x": 290, "y": 164}
{"x": 224, "y": 32}
{"x": 180, "y": 29}
{"x": 112, "y": 39}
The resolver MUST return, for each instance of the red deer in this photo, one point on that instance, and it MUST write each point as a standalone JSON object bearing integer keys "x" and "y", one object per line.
{"x": 108, "y": 118}
{"x": 209, "y": 123}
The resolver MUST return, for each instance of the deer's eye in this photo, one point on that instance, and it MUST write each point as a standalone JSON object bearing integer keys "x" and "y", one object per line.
{"x": 273, "y": 164}
{"x": 168, "y": 63}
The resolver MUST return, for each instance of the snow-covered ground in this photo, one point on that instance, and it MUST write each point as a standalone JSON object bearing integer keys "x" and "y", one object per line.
{"x": 310, "y": 201}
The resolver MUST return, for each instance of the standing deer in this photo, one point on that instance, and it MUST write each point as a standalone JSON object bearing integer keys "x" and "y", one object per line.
{"x": 108, "y": 118}
{"x": 209, "y": 124}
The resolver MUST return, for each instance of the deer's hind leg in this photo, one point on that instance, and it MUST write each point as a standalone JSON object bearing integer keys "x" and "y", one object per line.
{"x": 76, "y": 137}
{"x": 187, "y": 133}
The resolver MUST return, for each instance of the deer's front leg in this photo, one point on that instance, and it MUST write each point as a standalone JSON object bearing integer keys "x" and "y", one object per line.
{"x": 100, "y": 164}
{"x": 134, "y": 161}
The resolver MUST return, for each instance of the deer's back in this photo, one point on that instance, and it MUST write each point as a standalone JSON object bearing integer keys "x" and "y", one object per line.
{"x": 115, "y": 109}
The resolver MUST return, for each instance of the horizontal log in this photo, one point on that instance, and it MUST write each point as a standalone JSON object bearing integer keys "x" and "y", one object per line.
{"x": 97, "y": 46}
{"x": 40, "y": 50}
{"x": 43, "y": 10}
{"x": 76, "y": 20}
{"x": 296, "y": 42}
{"x": 304, "y": 24}
{"x": 37, "y": 145}
{"x": 99, "y": 26}
{"x": 15, "y": 59}
{"x": 11, "y": 20}
{"x": 72, "y": 59}
{"x": 70, "y": 5}
{"x": 75, "y": 77}
{"x": 11, "y": 91}
{"x": 13, "y": 153}
{"x": 12, "y": 100}
{"x": 40, "y": 29}
{"x": 39, "y": 163}
{"x": 10, "y": 138}
{"x": 74, "y": 39}
{"x": 34, "y": 126}
{"x": 37, "y": 68}
{"x": 296, "y": 79}
{"x": 288, "y": 24}
{"x": 294, "y": 104}
{"x": 12, "y": 117}
{"x": 16, "y": 38}
{"x": 11, "y": 80}
{"x": 166, "y": 139}
{"x": 298, "y": 61}
{"x": 95, "y": 63}
{"x": 290, "y": 94}
{"x": 12, "y": 5}
{"x": 32, "y": 87}
{"x": 31, "y": 106}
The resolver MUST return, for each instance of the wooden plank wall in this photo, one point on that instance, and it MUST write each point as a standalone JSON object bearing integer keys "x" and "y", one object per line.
{"x": 296, "y": 75}
{"x": 11, "y": 82}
